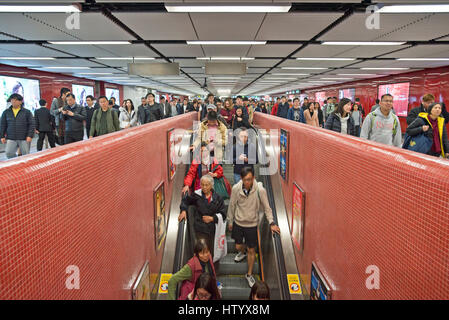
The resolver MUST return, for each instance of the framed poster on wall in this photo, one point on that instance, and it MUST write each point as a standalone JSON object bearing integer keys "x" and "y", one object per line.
{"x": 173, "y": 150}
{"x": 159, "y": 215}
{"x": 298, "y": 210}
{"x": 141, "y": 288}
{"x": 283, "y": 154}
{"x": 319, "y": 288}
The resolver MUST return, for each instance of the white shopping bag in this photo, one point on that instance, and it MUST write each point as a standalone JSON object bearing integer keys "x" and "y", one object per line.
{"x": 220, "y": 243}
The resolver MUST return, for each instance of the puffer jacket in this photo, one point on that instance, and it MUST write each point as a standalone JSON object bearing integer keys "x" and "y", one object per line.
{"x": 127, "y": 119}
{"x": 19, "y": 127}
{"x": 333, "y": 123}
{"x": 415, "y": 128}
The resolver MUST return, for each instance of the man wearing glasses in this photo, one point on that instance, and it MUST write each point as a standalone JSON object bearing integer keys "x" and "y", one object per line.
{"x": 382, "y": 125}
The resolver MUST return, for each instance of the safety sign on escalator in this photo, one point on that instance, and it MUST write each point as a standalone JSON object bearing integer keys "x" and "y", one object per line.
{"x": 293, "y": 284}
{"x": 163, "y": 283}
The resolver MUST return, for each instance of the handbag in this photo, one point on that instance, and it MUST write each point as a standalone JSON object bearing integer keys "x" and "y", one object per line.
{"x": 222, "y": 186}
{"x": 420, "y": 143}
{"x": 220, "y": 243}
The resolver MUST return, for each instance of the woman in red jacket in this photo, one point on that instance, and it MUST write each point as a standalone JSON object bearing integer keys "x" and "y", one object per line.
{"x": 198, "y": 168}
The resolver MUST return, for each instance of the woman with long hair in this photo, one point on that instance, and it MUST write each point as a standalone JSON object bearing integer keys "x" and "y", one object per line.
{"x": 228, "y": 111}
{"x": 128, "y": 116}
{"x": 340, "y": 120}
{"x": 205, "y": 288}
{"x": 311, "y": 115}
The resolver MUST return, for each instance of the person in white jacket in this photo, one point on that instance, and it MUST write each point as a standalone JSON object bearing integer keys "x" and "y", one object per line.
{"x": 128, "y": 116}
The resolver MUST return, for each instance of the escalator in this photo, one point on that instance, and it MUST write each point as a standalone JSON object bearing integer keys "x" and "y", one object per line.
{"x": 275, "y": 253}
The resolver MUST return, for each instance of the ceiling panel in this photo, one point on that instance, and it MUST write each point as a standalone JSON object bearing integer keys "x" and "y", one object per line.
{"x": 393, "y": 27}
{"x": 273, "y": 50}
{"x": 159, "y": 26}
{"x": 401, "y": 64}
{"x": 226, "y": 51}
{"x": 28, "y": 50}
{"x": 179, "y": 50}
{"x": 262, "y": 63}
{"x": 105, "y": 50}
{"x": 424, "y": 51}
{"x": 323, "y": 51}
{"x": 225, "y": 26}
{"x": 295, "y": 26}
{"x": 190, "y": 62}
{"x": 314, "y": 64}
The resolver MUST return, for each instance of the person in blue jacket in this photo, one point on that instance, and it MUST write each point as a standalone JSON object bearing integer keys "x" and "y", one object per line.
{"x": 296, "y": 113}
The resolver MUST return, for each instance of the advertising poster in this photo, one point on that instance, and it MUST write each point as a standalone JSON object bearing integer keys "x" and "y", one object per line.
{"x": 159, "y": 215}
{"x": 347, "y": 93}
{"x": 302, "y": 96}
{"x": 141, "y": 288}
{"x": 319, "y": 290}
{"x": 27, "y": 88}
{"x": 320, "y": 97}
{"x": 298, "y": 210}
{"x": 113, "y": 93}
{"x": 81, "y": 92}
{"x": 174, "y": 150}
{"x": 400, "y": 93}
{"x": 283, "y": 154}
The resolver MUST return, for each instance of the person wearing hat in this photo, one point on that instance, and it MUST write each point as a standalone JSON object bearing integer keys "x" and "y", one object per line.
{"x": 16, "y": 127}
{"x": 220, "y": 118}
{"x": 432, "y": 125}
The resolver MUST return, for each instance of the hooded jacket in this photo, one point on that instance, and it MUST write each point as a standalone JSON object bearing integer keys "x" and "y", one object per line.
{"x": 414, "y": 113}
{"x": 244, "y": 210}
{"x": 382, "y": 128}
{"x": 415, "y": 128}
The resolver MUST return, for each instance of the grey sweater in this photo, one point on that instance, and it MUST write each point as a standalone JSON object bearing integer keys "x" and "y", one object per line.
{"x": 380, "y": 129}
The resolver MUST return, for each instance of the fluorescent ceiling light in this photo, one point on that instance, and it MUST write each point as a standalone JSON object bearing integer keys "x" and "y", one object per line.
{"x": 39, "y": 8}
{"x": 419, "y": 8}
{"x": 320, "y": 81}
{"x": 197, "y": 42}
{"x": 248, "y": 8}
{"x": 423, "y": 59}
{"x": 362, "y": 43}
{"x": 326, "y": 59}
{"x": 124, "y": 58}
{"x": 66, "y": 67}
{"x": 302, "y": 68}
{"x": 279, "y": 78}
{"x": 88, "y": 42}
{"x": 27, "y": 58}
{"x": 384, "y": 68}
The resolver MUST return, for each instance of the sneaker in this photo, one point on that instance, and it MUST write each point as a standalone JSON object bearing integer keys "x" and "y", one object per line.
{"x": 250, "y": 280}
{"x": 240, "y": 257}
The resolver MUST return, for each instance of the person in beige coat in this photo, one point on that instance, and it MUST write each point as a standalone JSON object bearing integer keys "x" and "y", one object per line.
{"x": 247, "y": 197}
{"x": 311, "y": 115}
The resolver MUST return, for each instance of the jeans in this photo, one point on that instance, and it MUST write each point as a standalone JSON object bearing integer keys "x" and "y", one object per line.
{"x": 12, "y": 145}
{"x": 237, "y": 178}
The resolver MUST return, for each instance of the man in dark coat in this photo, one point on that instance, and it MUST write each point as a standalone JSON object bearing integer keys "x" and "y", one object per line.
{"x": 90, "y": 109}
{"x": 45, "y": 124}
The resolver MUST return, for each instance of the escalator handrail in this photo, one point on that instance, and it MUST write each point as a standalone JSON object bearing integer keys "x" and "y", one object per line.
{"x": 277, "y": 245}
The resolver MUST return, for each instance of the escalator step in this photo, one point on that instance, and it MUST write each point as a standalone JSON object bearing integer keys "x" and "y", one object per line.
{"x": 235, "y": 287}
{"x": 229, "y": 267}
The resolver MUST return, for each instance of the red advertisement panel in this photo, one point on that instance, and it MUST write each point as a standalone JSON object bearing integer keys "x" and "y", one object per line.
{"x": 320, "y": 97}
{"x": 347, "y": 93}
{"x": 400, "y": 92}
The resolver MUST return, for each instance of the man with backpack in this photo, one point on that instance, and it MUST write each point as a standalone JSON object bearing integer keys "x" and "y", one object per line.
{"x": 382, "y": 125}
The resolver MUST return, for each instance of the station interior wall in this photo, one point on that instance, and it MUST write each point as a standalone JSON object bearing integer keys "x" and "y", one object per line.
{"x": 88, "y": 204}
{"x": 368, "y": 204}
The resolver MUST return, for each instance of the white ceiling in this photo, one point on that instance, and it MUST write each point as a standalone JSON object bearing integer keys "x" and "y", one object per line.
{"x": 287, "y": 29}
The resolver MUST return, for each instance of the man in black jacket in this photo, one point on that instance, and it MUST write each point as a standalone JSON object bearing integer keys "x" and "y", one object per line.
{"x": 90, "y": 109}
{"x": 74, "y": 115}
{"x": 427, "y": 100}
{"x": 244, "y": 153}
{"x": 45, "y": 124}
{"x": 16, "y": 127}
{"x": 154, "y": 109}
{"x": 165, "y": 107}
{"x": 283, "y": 108}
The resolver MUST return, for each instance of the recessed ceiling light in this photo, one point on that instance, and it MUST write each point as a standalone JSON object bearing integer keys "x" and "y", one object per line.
{"x": 125, "y": 58}
{"x": 197, "y": 42}
{"x": 302, "y": 68}
{"x": 419, "y": 8}
{"x": 40, "y": 8}
{"x": 422, "y": 59}
{"x": 27, "y": 58}
{"x": 227, "y": 8}
{"x": 362, "y": 43}
{"x": 326, "y": 59}
{"x": 384, "y": 68}
{"x": 88, "y": 42}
